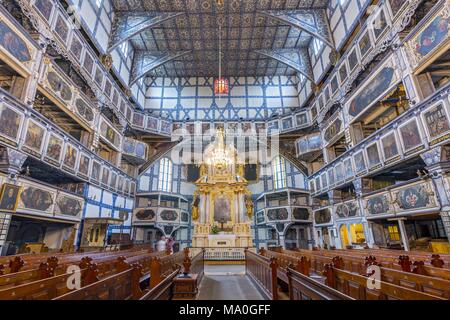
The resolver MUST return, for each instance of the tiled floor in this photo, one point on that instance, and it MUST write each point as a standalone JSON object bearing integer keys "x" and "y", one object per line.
{"x": 227, "y": 282}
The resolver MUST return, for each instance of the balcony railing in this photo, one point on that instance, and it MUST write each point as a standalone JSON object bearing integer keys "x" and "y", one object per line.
{"x": 25, "y": 129}
{"x": 59, "y": 27}
{"x": 410, "y": 134}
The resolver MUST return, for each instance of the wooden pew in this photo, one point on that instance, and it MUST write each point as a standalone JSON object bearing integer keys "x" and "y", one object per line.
{"x": 163, "y": 290}
{"x": 439, "y": 288}
{"x": 263, "y": 272}
{"x": 122, "y": 286}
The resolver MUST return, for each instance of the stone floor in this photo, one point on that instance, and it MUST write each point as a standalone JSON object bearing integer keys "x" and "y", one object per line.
{"x": 227, "y": 282}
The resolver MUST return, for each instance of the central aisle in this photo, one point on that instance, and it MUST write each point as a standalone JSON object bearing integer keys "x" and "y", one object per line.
{"x": 227, "y": 282}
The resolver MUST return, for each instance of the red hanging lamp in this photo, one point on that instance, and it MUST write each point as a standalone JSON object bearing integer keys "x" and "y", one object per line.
{"x": 221, "y": 84}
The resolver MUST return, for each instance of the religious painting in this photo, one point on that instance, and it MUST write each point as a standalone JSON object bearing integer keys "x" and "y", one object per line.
{"x": 69, "y": 206}
{"x": 128, "y": 146}
{"x": 222, "y": 209}
{"x": 95, "y": 174}
{"x": 12, "y": 43}
{"x": 88, "y": 63}
{"x": 138, "y": 119}
{"x": 152, "y": 123}
{"x": 99, "y": 76}
{"x": 343, "y": 73}
{"x": 113, "y": 181}
{"x": 76, "y": 47}
{"x": 44, "y": 7}
{"x": 302, "y": 146}
{"x": 123, "y": 107}
{"x": 318, "y": 183}
{"x": 436, "y": 121}
{"x": 105, "y": 176}
{"x": 314, "y": 112}
{"x": 323, "y": 178}
{"x": 190, "y": 127}
{"x": 120, "y": 184}
{"x": 165, "y": 126}
{"x": 347, "y": 210}
{"x": 83, "y": 167}
{"x": 322, "y": 216}
{"x": 312, "y": 186}
{"x": 410, "y": 135}
{"x": 300, "y": 213}
{"x": 260, "y": 217}
{"x": 314, "y": 142}
{"x": 373, "y": 156}
{"x": 348, "y": 168}
{"x": 260, "y": 127}
{"x": 277, "y": 214}
{"x": 333, "y": 130}
{"x": 327, "y": 94}
{"x": 70, "y": 157}
{"x": 432, "y": 36}
{"x": 84, "y": 110}
{"x": 339, "y": 172}
{"x": 54, "y": 148}
{"x": 145, "y": 214}
{"x": 169, "y": 215}
{"x": 334, "y": 85}
{"x": 360, "y": 163}
{"x": 184, "y": 216}
{"x": 109, "y": 134}
{"x": 331, "y": 176}
{"x": 413, "y": 197}
{"x": 10, "y": 122}
{"x": 140, "y": 150}
{"x": 108, "y": 88}
{"x": 379, "y": 24}
{"x": 287, "y": 123}
{"x": 364, "y": 44}
{"x": 373, "y": 90}
{"x": 34, "y": 138}
{"x": 353, "y": 59}
{"x": 9, "y": 197}
{"x": 115, "y": 100}
{"x": 396, "y": 6}
{"x": 341, "y": 210}
{"x": 378, "y": 205}
{"x": 61, "y": 28}
{"x": 273, "y": 126}
{"x": 389, "y": 144}
{"x": 59, "y": 86}
{"x": 36, "y": 199}
{"x": 205, "y": 127}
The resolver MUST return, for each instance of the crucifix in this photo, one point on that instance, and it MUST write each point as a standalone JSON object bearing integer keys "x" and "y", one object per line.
{"x": 222, "y": 221}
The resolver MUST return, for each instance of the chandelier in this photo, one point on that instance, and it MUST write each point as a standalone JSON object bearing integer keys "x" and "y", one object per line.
{"x": 218, "y": 155}
{"x": 221, "y": 85}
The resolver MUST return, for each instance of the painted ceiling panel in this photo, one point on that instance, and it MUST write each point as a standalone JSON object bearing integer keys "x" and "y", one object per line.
{"x": 244, "y": 30}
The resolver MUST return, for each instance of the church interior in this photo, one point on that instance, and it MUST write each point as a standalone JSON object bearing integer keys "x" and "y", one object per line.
{"x": 224, "y": 149}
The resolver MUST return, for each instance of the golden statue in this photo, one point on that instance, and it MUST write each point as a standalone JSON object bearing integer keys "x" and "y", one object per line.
{"x": 249, "y": 206}
{"x": 195, "y": 208}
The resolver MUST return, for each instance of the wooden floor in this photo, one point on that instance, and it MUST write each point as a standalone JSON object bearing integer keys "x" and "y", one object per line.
{"x": 227, "y": 282}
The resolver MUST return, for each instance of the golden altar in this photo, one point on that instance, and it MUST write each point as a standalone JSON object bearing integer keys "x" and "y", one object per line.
{"x": 222, "y": 208}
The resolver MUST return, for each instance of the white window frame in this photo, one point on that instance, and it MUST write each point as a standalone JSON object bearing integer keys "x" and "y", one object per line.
{"x": 165, "y": 175}
{"x": 279, "y": 173}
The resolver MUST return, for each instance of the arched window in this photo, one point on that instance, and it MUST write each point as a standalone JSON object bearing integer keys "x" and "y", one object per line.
{"x": 279, "y": 173}
{"x": 165, "y": 175}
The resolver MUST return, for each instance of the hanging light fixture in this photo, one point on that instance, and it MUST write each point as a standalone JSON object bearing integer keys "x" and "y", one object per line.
{"x": 221, "y": 85}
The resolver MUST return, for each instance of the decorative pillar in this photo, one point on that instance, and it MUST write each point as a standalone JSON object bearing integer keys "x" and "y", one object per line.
{"x": 310, "y": 238}
{"x": 401, "y": 226}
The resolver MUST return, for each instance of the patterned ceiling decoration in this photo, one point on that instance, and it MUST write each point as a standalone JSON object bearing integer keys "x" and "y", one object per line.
{"x": 145, "y": 61}
{"x": 298, "y": 60}
{"x": 129, "y": 24}
{"x": 314, "y": 22}
{"x": 244, "y": 30}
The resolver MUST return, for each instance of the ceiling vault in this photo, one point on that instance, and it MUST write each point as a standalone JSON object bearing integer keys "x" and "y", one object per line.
{"x": 146, "y": 61}
{"x": 296, "y": 59}
{"x": 313, "y": 22}
{"x": 129, "y": 24}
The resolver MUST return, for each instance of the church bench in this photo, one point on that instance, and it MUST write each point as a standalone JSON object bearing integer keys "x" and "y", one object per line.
{"x": 355, "y": 262}
{"x": 355, "y": 286}
{"x": 302, "y": 287}
{"x": 263, "y": 272}
{"x": 433, "y": 286}
{"x": 161, "y": 267}
{"x": 163, "y": 290}
{"x": 53, "y": 267}
{"x": 122, "y": 286}
{"x": 55, "y": 286}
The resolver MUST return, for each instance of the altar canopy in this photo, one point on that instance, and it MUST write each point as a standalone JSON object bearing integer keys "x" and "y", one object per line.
{"x": 222, "y": 206}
